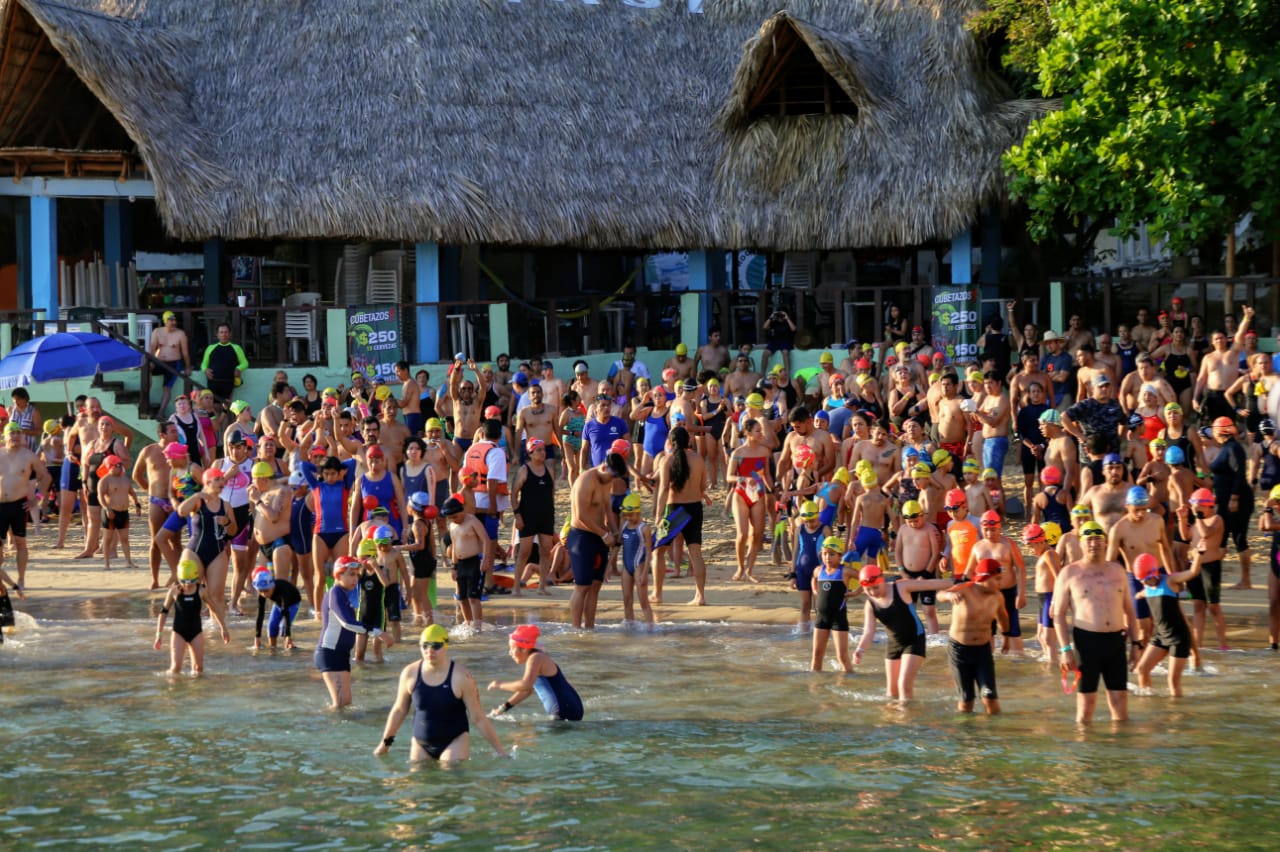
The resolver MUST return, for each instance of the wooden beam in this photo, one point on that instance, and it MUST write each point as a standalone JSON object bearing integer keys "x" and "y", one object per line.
{"x": 7, "y": 33}
{"x": 775, "y": 71}
{"x": 22, "y": 122}
{"x": 26, "y": 69}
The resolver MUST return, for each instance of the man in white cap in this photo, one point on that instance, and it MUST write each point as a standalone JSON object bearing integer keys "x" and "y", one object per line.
{"x": 1057, "y": 363}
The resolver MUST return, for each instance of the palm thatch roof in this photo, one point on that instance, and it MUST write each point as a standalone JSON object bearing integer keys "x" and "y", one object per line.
{"x": 598, "y": 124}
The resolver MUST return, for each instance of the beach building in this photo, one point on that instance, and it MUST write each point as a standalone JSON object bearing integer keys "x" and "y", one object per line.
{"x": 518, "y": 175}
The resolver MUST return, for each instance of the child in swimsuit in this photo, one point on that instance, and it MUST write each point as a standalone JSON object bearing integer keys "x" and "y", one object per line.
{"x": 636, "y": 542}
{"x": 187, "y": 599}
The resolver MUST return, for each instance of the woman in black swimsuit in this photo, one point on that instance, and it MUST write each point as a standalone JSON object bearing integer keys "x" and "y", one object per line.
{"x": 106, "y": 444}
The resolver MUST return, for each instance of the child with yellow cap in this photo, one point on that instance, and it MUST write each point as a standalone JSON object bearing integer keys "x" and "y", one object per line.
{"x": 636, "y": 545}
{"x": 831, "y": 593}
{"x": 806, "y": 543}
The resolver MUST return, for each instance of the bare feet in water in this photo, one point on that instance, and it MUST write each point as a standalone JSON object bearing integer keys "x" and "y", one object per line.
{"x": 698, "y": 600}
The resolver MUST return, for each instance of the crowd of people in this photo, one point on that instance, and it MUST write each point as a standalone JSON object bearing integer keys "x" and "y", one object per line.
{"x": 344, "y": 503}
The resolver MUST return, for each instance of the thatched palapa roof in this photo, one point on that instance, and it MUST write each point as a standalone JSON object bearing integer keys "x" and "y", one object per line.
{"x": 549, "y": 122}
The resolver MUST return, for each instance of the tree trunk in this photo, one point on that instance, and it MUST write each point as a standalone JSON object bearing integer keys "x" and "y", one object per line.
{"x": 1228, "y": 298}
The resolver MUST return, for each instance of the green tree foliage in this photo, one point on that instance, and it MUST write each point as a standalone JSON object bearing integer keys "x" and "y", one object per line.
{"x": 1171, "y": 116}
{"x": 1023, "y": 27}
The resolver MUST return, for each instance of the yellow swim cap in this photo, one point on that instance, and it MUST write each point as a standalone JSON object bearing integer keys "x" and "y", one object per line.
{"x": 912, "y": 507}
{"x": 631, "y": 503}
{"x": 863, "y": 464}
{"x": 755, "y": 400}
{"x": 382, "y": 393}
{"x": 940, "y": 457}
{"x": 808, "y": 510}
{"x": 435, "y": 633}
{"x": 188, "y": 569}
{"x": 1052, "y": 532}
{"x": 263, "y": 470}
{"x": 1275, "y": 493}
{"x": 826, "y": 358}
{"x": 435, "y": 423}
{"x": 368, "y": 547}
{"x": 841, "y": 475}
{"x": 833, "y": 542}
{"x": 52, "y": 427}
{"x": 868, "y": 478}
{"x": 681, "y": 349}
{"x": 989, "y": 473}
{"x": 920, "y": 469}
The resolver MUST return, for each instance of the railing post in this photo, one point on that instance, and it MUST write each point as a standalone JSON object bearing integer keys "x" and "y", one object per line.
{"x": 144, "y": 388}
{"x": 553, "y": 327}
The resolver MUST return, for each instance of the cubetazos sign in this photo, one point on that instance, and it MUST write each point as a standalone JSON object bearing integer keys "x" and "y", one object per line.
{"x": 694, "y": 7}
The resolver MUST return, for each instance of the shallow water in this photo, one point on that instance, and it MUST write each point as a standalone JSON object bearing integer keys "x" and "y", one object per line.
{"x": 696, "y": 736}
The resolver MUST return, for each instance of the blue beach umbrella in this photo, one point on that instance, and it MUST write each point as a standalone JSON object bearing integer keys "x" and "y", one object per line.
{"x": 64, "y": 356}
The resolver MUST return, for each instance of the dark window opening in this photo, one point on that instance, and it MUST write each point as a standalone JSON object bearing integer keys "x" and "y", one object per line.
{"x": 797, "y": 84}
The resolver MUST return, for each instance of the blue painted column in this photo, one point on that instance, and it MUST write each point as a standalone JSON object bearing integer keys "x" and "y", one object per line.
{"x": 962, "y": 257}
{"x": 427, "y": 289}
{"x": 44, "y": 255}
{"x": 700, "y": 282}
{"x": 117, "y": 240}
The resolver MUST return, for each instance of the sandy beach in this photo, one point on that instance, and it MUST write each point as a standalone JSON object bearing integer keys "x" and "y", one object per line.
{"x": 56, "y": 581}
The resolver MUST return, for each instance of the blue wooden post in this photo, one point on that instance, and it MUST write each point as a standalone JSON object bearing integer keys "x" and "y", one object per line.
{"x": 427, "y": 289}
{"x": 117, "y": 240}
{"x": 700, "y": 282}
{"x": 44, "y": 255}
{"x": 962, "y": 257}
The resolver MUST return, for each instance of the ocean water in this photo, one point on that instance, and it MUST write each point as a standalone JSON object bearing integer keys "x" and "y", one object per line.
{"x": 696, "y": 737}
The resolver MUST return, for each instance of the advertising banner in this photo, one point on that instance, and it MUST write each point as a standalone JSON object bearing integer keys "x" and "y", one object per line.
{"x": 373, "y": 340}
{"x": 957, "y": 312}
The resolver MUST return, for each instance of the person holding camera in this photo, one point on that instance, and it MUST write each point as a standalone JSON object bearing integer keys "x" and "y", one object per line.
{"x": 780, "y": 336}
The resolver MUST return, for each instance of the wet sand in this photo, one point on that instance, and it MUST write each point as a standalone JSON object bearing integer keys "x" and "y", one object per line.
{"x": 56, "y": 581}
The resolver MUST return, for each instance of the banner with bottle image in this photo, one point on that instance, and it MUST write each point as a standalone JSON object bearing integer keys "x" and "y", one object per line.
{"x": 373, "y": 340}
{"x": 957, "y": 317}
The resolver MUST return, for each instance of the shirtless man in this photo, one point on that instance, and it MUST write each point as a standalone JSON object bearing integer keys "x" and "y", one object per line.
{"x": 1012, "y": 579}
{"x": 742, "y": 380}
{"x": 681, "y": 363}
{"x": 169, "y": 345}
{"x": 1200, "y": 524}
{"x": 1139, "y": 531}
{"x": 468, "y": 542}
{"x": 1106, "y": 498}
{"x": 683, "y": 485}
{"x": 1030, "y": 374}
{"x": 410, "y": 401}
{"x": 879, "y": 450}
{"x": 115, "y": 492}
{"x": 1107, "y": 359}
{"x": 274, "y": 412}
{"x": 1096, "y": 592}
{"x": 151, "y": 472}
{"x": 1077, "y": 335}
{"x": 1060, "y": 451}
{"x": 392, "y": 435}
{"x": 1144, "y": 374}
{"x": 952, "y": 422}
{"x": 467, "y": 403}
{"x": 917, "y": 550}
{"x": 1087, "y": 368}
{"x": 992, "y": 410}
{"x": 1141, "y": 332}
{"x": 18, "y": 466}
{"x": 552, "y": 388}
{"x": 590, "y": 536}
{"x": 445, "y": 460}
{"x": 1219, "y": 370}
{"x": 272, "y": 505}
{"x": 975, "y": 605}
{"x": 536, "y": 420}
{"x": 711, "y": 355}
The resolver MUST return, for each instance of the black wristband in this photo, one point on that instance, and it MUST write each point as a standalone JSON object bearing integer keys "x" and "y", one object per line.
{"x": 387, "y": 741}
{"x": 505, "y": 707}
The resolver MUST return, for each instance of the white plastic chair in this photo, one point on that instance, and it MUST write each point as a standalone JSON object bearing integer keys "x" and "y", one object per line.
{"x": 301, "y": 325}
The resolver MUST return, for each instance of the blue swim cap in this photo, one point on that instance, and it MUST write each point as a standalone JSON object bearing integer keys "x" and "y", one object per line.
{"x": 1174, "y": 455}
{"x": 822, "y": 415}
{"x": 1112, "y": 458}
{"x": 381, "y": 534}
{"x": 1137, "y": 496}
{"x": 262, "y": 580}
{"x": 419, "y": 500}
